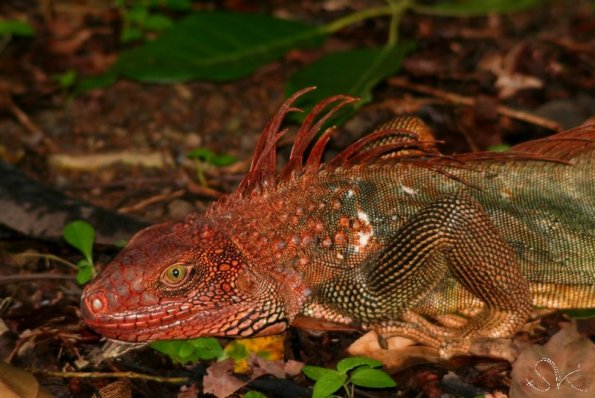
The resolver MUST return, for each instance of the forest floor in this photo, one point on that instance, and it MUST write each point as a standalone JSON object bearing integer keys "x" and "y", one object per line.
{"x": 478, "y": 82}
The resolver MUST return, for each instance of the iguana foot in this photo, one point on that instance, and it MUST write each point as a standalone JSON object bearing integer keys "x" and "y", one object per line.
{"x": 454, "y": 336}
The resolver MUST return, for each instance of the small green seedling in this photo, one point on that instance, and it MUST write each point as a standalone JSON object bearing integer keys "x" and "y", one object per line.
{"x": 354, "y": 371}
{"x": 254, "y": 394}
{"x": 204, "y": 157}
{"x": 185, "y": 351}
{"x": 81, "y": 235}
{"x": 66, "y": 79}
{"x": 141, "y": 17}
{"x": 15, "y": 27}
{"x": 499, "y": 148}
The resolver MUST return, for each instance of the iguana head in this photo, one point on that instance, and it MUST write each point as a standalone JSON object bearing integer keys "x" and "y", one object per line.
{"x": 181, "y": 280}
{"x": 190, "y": 278}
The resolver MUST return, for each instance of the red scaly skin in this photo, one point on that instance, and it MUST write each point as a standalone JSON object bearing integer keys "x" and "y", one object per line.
{"x": 211, "y": 300}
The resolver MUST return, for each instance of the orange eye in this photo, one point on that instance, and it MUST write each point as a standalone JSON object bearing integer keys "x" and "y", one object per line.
{"x": 175, "y": 275}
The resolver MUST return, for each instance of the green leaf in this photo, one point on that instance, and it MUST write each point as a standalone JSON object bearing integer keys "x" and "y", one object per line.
{"x": 224, "y": 160}
{"x": 347, "y": 364}
{"x": 130, "y": 34}
{"x": 137, "y": 14}
{"x": 499, "y": 148}
{"x": 179, "y": 5}
{"x": 328, "y": 384}
{"x": 583, "y": 313}
{"x": 92, "y": 82}
{"x": 207, "y": 347}
{"x": 215, "y": 46}
{"x": 204, "y": 154}
{"x": 208, "y": 156}
{"x": 237, "y": 350}
{"x": 66, "y": 79}
{"x": 80, "y": 234}
{"x": 316, "y": 372}
{"x": 16, "y": 28}
{"x": 254, "y": 394}
{"x": 475, "y": 8}
{"x": 85, "y": 273}
{"x": 354, "y": 72}
{"x": 184, "y": 351}
{"x": 158, "y": 22}
{"x": 372, "y": 378}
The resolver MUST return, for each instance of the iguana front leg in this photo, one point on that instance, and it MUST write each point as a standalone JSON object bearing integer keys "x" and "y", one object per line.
{"x": 451, "y": 238}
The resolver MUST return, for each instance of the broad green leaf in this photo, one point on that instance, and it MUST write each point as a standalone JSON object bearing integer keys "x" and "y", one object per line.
{"x": 16, "y": 28}
{"x": 328, "y": 384}
{"x": 347, "y": 364}
{"x": 179, "y": 5}
{"x": 207, "y": 347}
{"x": 158, "y": 22}
{"x": 80, "y": 234}
{"x": 373, "y": 378}
{"x": 215, "y": 46}
{"x": 92, "y": 82}
{"x": 186, "y": 350}
{"x": 316, "y": 372}
{"x": 130, "y": 34}
{"x": 475, "y": 8}
{"x": 137, "y": 14}
{"x": 354, "y": 72}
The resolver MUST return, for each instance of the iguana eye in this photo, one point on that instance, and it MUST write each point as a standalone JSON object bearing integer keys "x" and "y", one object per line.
{"x": 175, "y": 275}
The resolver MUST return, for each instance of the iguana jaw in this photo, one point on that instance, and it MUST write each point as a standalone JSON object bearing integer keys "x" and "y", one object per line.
{"x": 175, "y": 320}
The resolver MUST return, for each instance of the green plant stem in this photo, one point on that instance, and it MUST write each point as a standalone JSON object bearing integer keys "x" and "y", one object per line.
{"x": 200, "y": 172}
{"x": 48, "y": 257}
{"x": 394, "y": 9}
{"x": 398, "y": 8}
{"x": 350, "y": 19}
{"x": 348, "y": 387}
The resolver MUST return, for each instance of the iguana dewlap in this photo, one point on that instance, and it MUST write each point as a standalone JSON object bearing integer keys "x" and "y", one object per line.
{"x": 389, "y": 235}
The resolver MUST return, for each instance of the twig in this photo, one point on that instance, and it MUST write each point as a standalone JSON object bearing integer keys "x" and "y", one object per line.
{"x": 48, "y": 257}
{"x": 36, "y": 135}
{"x": 119, "y": 375}
{"x": 152, "y": 200}
{"x": 468, "y": 101}
{"x": 5, "y": 280}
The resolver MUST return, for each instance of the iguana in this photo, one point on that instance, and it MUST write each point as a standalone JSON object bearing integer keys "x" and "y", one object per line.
{"x": 390, "y": 235}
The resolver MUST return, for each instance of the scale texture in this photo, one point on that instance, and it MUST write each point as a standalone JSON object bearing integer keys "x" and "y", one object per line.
{"x": 390, "y": 235}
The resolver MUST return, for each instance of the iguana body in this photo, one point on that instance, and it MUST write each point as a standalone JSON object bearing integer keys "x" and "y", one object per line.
{"x": 388, "y": 236}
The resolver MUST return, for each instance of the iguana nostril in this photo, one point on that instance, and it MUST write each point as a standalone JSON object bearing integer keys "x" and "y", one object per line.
{"x": 96, "y": 303}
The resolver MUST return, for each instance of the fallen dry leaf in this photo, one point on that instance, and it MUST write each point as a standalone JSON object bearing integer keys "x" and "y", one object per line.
{"x": 293, "y": 368}
{"x": 17, "y": 383}
{"x": 508, "y": 80}
{"x": 117, "y": 389}
{"x": 219, "y": 380}
{"x": 563, "y": 367}
{"x": 401, "y": 352}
